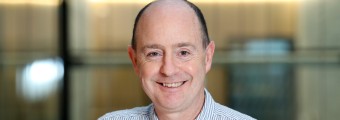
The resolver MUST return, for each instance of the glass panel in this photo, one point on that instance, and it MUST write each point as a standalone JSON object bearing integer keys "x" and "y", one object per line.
{"x": 99, "y": 89}
{"x": 30, "y": 72}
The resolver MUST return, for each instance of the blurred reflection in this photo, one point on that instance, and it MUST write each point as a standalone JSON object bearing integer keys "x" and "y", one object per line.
{"x": 29, "y": 31}
{"x": 196, "y": 1}
{"x": 268, "y": 47}
{"x": 39, "y": 79}
{"x": 264, "y": 88}
{"x": 33, "y": 2}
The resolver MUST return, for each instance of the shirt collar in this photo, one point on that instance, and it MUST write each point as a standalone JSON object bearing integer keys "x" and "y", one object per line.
{"x": 204, "y": 114}
{"x": 208, "y": 107}
{"x": 152, "y": 114}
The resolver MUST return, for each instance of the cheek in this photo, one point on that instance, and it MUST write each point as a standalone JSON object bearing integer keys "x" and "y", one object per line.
{"x": 195, "y": 68}
{"x": 148, "y": 70}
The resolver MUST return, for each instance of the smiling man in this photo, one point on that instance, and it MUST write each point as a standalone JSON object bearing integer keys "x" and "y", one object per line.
{"x": 171, "y": 54}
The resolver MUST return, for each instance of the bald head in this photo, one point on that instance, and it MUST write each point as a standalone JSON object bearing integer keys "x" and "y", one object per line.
{"x": 162, "y": 11}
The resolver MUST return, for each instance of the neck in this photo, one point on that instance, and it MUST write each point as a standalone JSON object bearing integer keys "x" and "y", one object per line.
{"x": 189, "y": 113}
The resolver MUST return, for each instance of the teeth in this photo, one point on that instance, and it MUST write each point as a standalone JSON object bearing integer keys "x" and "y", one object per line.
{"x": 173, "y": 85}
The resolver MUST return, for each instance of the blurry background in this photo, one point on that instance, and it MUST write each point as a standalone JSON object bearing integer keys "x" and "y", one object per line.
{"x": 275, "y": 59}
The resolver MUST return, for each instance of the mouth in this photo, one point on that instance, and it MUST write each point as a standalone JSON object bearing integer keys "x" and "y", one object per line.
{"x": 172, "y": 85}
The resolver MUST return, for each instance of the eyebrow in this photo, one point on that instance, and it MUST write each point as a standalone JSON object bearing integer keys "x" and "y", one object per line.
{"x": 157, "y": 46}
{"x": 185, "y": 45}
{"x": 152, "y": 46}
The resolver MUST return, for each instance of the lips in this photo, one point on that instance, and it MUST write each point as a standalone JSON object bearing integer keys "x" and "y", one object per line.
{"x": 172, "y": 85}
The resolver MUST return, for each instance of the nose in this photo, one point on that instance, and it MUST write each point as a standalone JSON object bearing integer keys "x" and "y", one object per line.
{"x": 169, "y": 66}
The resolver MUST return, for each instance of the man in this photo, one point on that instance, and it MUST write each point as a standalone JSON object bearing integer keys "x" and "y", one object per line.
{"x": 171, "y": 54}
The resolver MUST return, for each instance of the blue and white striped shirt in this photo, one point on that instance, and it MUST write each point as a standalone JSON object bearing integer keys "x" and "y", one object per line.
{"x": 211, "y": 111}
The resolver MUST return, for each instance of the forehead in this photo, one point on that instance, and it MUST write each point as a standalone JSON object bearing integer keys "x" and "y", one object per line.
{"x": 171, "y": 23}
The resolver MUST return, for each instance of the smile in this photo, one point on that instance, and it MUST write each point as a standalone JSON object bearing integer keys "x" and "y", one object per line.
{"x": 172, "y": 85}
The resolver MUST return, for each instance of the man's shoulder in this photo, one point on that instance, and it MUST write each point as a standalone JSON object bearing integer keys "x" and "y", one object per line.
{"x": 222, "y": 111}
{"x": 134, "y": 113}
{"x": 214, "y": 110}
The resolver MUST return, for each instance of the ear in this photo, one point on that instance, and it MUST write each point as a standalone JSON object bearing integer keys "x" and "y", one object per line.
{"x": 209, "y": 55}
{"x": 133, "y": 58}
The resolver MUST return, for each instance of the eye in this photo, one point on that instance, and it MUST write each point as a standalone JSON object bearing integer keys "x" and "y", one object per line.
{"x": 184, "y": 53}
{"x": 153, "y": 54}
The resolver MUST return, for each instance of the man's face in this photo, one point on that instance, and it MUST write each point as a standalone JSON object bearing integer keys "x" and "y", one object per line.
{"x": 170, "y": 60}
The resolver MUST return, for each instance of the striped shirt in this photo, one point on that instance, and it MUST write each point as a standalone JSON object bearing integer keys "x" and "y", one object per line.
{"x": 211, "y": 111}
